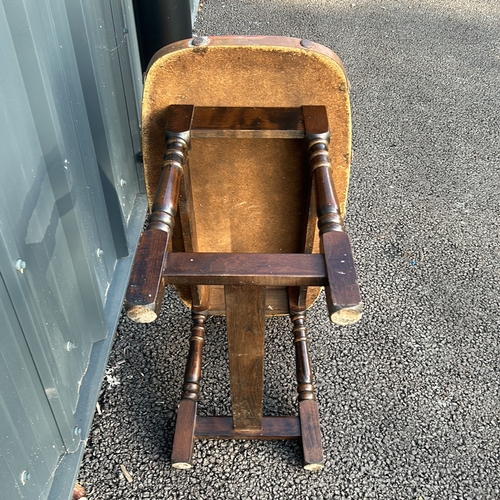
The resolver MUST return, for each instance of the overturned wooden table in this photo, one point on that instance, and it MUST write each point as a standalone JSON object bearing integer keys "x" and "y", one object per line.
{"x": 246, "y": 147}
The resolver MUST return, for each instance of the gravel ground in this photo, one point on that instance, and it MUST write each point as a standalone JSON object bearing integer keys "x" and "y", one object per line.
{"x": 409, "y": 396}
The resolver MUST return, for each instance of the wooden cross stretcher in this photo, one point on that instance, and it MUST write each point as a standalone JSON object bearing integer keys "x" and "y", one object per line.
{"x": 246, "y": 147}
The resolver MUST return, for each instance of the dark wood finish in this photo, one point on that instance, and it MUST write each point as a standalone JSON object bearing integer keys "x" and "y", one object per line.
{"x": 309, "y": 233}
{"x": 192, "y": 375}
{"x": 276, "y": 301}
{"x": 179, "y": 120}
{"x": 272, "y": 428}
{"x": 315, "y": 121}
{"x": 208, "y": 120}
{"x": 312, "y": 126}
{"x": 200, "y": 294}
{"x": 245, "y": 268}
{"x": 248, "y": 67}
{"x": 145, "y": 289}
{"x": 167, "y": 194}
{"x": 245, "y": 318}
{"x": 328, "y": 212}
{"x": 312, "y": 448}
{"x": 305, "y": 385}
{"x": 182, "y": 449}
{"x": 308, "y": 408}
{"x": 343, "y": 296}
{"x": 255, "y": 122}
{"x": 316, "y": 124}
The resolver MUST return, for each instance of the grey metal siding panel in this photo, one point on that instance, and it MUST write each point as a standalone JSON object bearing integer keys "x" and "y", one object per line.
{"x": 98, "y": 49}
{"x": 46, "y": 205}
{"x": 38, "y": 220}
{"x": 66, "y": 472}
{"x": 30, "y": 439}
{"x": 132, "y": 48}
{"x": 71, "y": 207}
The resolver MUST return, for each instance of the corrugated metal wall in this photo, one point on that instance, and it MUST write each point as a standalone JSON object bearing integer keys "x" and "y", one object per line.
{"x": 71, "y": 209}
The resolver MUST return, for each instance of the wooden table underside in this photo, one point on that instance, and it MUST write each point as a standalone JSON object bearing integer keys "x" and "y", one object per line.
{"x": 246, "y": 222}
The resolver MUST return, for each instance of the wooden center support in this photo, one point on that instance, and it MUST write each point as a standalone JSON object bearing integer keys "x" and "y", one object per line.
{"x": 245, "y": 318}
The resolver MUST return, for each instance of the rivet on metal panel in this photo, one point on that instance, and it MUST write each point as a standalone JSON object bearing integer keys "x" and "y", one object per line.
{"x": 123, "y": 182}
{"x": 70, "y": 346}
{"x": 199, "y": 41}
{"x": 125, "y": 30}
{"x": 77, "y": 431}
{"x": 307, "y": 44}
{"x": 20, "y": 265}
{"x": 25, "y": 476}
{"x": 99, "y": 252}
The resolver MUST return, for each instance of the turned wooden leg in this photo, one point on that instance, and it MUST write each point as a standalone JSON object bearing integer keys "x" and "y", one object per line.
{"x": 308, "y": 407}
{"x": 146, "y": 288}
{"x": 342, "y": 293}
{"x": 182, "y": 449}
